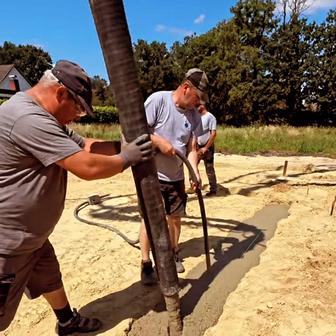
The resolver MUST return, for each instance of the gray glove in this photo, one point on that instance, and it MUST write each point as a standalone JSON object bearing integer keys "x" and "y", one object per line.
{"x": 137, "y": 151}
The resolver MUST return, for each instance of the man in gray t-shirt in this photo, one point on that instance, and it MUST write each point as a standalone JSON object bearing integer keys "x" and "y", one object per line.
{"x": 37, "y": 149}
{"x": 206, "y": 144}
{"x": 174, "y": 123}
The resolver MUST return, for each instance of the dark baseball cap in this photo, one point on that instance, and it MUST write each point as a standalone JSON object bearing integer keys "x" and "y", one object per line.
{"x": 76, "y": 80}
{"x": 199, "y": 80}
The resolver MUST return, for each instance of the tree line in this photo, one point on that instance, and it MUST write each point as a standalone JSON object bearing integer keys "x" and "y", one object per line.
{"x": 264, "y": 68}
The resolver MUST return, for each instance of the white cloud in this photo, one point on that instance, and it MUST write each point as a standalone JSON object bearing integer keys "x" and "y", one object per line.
{"x": 160, "y": 28}
{"x": 173, "y": 30}
{"x": 313, "y": 5}
{"x": 199, "y": 19}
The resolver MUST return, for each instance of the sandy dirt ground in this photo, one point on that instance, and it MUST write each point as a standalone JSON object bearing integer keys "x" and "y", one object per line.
{"x": 291, "y": 291}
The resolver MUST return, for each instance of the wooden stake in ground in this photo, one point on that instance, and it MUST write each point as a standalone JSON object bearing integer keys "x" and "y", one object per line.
{"x": 284, "y": 172}
{"x": 332, "y": 207}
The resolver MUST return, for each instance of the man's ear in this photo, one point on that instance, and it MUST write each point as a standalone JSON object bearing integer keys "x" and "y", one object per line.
{"x": 61, "y": 94}
{"x": 185, "y": 86}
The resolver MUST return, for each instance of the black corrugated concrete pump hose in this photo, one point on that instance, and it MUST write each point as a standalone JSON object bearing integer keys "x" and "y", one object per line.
{"x": 110, "y": 20}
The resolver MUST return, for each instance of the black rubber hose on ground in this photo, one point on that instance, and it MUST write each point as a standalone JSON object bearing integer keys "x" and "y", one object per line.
{"x": 99, "y": 199}
{"x": 83, "y": 205}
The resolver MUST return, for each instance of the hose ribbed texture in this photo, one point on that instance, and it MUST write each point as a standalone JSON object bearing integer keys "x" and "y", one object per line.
{"x": 111, "y": 25}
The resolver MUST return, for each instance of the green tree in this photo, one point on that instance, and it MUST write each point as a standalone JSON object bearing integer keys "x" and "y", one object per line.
{"x": 100, "y": 91}
{"x": 31, "y": 61}
{"x": 216, "y": 53}
{"x": 320, "y": 78}
{"x": 255, "y": 22}
{"x": 155, "y": 67}
{"x": 232, "y": 56}
{"x": 292, "y": 50}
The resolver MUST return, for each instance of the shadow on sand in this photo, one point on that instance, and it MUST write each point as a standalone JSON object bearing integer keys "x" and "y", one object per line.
{"x": 136, "y": 300}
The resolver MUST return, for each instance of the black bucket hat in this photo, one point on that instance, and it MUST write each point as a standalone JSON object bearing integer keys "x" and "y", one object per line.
{"x": 76, "y": 80}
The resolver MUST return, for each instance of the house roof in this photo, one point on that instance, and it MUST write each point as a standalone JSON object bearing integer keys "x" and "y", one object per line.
{"x": 4, "y": 70}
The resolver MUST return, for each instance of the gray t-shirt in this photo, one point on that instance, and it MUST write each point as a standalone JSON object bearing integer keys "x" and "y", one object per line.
{"x": 32, "y": 186}
{"x": 209, "y": 123}
{"x": 175, "y": 125}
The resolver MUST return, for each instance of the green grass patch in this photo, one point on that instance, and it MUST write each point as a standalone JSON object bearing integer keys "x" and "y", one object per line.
{"x": 280, "y": 140}
{"x": 97, "y": 131}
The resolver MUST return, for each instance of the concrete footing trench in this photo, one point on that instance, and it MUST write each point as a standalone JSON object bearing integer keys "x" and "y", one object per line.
{"x": 204, "y": 292}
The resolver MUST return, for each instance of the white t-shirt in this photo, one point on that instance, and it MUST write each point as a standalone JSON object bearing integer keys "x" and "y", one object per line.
{"x": 209, "y": 123}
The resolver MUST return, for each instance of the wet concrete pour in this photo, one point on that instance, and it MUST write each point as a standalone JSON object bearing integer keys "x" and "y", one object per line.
{"x": 204, "y": 293}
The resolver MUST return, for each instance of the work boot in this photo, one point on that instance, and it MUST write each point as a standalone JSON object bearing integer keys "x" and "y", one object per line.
{"x": 78, "y": 324}
{"x": 211, "y": 193}
{"x": 178, "y": 263}
{"x": 148, "y": 276}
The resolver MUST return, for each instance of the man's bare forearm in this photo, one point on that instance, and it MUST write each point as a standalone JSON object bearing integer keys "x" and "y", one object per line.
{"x": 98, "y": 146}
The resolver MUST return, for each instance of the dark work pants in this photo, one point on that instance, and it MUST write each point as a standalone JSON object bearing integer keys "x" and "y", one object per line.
{"x": 208, "y": 159}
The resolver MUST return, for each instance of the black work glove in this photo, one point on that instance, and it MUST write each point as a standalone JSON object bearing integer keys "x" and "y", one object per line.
{"x": 137, "y": 151}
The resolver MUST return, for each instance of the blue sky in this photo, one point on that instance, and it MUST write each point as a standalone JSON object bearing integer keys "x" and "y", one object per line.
{"x": 65, "y": 28}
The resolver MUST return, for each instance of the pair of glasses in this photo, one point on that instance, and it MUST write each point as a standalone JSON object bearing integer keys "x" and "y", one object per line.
{"x": 80, "y": 109}
{"x": 81, "y": 112}
{"x": 194, "y": 90}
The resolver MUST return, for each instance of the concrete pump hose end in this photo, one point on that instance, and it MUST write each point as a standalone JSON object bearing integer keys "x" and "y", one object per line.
{"x": 175, "y": 326}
